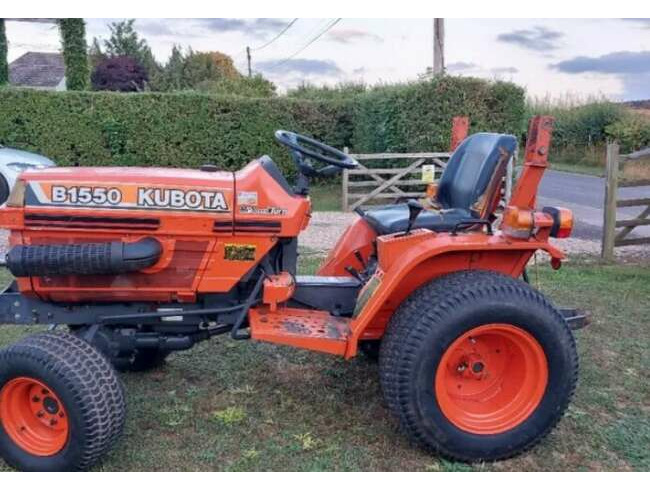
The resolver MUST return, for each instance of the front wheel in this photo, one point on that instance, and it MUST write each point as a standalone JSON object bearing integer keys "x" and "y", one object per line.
{"x": 61, "y": 404}
{"x": 478, "y": 366}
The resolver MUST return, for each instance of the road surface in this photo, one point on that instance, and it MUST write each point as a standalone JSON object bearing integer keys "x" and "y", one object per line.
{"x": 584, "y": 195}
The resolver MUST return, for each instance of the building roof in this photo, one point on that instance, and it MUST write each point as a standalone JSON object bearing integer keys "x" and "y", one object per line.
{"x": 37, "y": 70}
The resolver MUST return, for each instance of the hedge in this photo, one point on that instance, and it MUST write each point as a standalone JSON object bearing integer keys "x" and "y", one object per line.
{"x": 180, "y": 129}
{"x": 417, "y": 116}
{"x": 187, "y": 129}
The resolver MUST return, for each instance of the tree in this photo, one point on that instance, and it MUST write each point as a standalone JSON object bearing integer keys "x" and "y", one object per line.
{"x": 95, "y": 55}
{"x": 119, "y": 74}
{"x": 125, "y": 41}
{"x": 4, "y": 67}
{"x": 170, "y": 76}
{"x": 73, "y": 39}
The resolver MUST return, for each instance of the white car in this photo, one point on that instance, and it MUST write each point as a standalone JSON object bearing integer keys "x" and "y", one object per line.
{"x": 12, "y": 163}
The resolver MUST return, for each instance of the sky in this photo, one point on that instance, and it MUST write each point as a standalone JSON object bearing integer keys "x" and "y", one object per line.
{"x": 572, "y": 59}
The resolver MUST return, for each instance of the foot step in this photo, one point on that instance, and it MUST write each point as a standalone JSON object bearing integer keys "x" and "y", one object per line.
{"x": 307, "y": 329}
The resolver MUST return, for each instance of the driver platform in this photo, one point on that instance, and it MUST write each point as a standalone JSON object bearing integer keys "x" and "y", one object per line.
{"x": 309, "y": 329}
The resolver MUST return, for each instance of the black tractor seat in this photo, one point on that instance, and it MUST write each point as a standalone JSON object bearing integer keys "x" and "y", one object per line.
{"x": 467, "y": 189}
{"x": 394, "y": 218}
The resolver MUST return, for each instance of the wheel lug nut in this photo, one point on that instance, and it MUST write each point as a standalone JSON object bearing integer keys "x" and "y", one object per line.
{"x": 36, "y": 399}
{"x": 53, "y": 422}
{"x": 40, "y": 414}
{"x": 44, "y": 391}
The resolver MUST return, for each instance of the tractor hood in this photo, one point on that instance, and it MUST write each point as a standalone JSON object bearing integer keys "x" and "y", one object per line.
{"x": 129, "y": 188}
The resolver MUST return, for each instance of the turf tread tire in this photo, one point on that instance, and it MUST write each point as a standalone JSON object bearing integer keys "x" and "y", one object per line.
{"x": 421, "y": 313}
{"x": 88, "y": 386}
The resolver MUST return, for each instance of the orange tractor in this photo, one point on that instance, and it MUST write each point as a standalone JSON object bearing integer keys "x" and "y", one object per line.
{"x": 141, "y": 262}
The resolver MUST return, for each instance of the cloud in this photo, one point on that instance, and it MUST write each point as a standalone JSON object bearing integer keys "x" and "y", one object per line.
{"x": 631, "y": 67}
{"x": 462, "y": 66}
{"x": 536, "y": 39}
{"x": 256, "y": 27}
{"x": 644, "y": 22}
{"x": 301, "y": 66}
{"x": 347, "y": 36}
{"x": 194, "y": 27}
{"x": 504, "y": 70}
{"x": 620, "y": 62}
{"x": 162, "y": 27}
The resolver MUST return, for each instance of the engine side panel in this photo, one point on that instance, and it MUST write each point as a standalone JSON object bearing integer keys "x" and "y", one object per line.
{"x": 208, "y": 243}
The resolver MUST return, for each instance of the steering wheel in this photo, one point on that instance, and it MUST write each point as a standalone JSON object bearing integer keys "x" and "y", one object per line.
{"x": 303, "y": 149}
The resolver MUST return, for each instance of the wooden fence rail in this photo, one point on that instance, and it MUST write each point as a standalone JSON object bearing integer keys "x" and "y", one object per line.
{"x": 612, "y": 238}
{"x": 367, "y": 184}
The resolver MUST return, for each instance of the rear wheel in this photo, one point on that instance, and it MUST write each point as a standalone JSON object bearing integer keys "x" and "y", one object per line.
{"x": 61, "y": 404}
{"x": 478, "y": 366}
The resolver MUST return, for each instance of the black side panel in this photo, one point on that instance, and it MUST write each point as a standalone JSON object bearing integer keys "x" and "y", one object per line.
{"x": 338, "y": 295}
{"x": 83, "y": 258}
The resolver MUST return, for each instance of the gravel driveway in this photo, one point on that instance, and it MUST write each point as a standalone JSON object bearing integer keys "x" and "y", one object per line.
{"x": 326, "y": 227}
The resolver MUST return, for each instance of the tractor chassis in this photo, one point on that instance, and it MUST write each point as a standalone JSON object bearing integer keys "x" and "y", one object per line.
{"x": 173, "y": 326}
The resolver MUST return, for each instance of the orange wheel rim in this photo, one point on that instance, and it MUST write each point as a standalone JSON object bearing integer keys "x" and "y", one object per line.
{"x": 33, "y": 416}
{"x": 491, "y": 378}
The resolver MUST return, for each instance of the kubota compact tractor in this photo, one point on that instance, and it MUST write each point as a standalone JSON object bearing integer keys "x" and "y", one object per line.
{"x": 141, "y": 262}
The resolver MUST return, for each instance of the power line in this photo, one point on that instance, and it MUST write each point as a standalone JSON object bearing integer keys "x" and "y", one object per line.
{"x": 312, "y": 41}
{"x": 286, "y": 28}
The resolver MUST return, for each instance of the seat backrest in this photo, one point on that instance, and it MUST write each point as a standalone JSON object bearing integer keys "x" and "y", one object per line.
{"x": 474, "y": 172}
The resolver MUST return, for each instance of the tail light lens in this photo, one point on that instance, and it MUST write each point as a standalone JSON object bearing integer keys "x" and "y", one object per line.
{"x": 517, "y": 222}
{"x": 562, "y": 221}
{"x": 17, "y": 196}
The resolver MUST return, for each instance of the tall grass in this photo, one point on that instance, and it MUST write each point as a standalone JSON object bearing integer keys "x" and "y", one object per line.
{"x": 583, "y": 126}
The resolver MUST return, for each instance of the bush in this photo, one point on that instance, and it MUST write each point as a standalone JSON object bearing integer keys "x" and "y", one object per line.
{"x": 417, "y": 116}
{"x": 186, "y": 129}
{"x": 119, "y": 74}
{"x": 182, "y": 129}
{"x": 255, "y": 86}
{"x": 580, "y": 125}
{"x": 632, "y": 131}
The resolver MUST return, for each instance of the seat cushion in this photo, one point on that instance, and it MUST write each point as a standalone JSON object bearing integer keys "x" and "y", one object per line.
{"x": 395, "y": 217}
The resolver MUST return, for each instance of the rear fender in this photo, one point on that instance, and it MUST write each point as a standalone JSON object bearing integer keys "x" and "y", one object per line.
{"x": 407, "y": 262}
{"x": 358, "y": 240}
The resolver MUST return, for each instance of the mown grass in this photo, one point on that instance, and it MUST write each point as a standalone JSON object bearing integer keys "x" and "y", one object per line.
{"x": 230, "y": 405}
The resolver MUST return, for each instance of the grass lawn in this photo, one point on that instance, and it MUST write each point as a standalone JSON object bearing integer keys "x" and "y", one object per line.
{"x": 230, "y": 405}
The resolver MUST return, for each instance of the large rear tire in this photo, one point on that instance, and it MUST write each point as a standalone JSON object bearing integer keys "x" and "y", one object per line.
{"x": 478, "y": 366}
{"x": 62, "y": 406}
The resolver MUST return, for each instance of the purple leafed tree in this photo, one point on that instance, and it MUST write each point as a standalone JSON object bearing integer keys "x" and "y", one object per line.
{"x": 119, "y": 74}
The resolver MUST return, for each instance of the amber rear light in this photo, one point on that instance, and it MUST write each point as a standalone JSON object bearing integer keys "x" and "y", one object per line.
{"x": 517, "y": 222}
{"x": 17, "y": 196}
{"x": 562, "y": 221}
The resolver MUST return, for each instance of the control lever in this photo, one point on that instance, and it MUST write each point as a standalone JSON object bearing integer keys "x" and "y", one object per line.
{"x": 415, "y": 208}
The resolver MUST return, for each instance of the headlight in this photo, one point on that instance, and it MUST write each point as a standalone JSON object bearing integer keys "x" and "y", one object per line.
{"x": 21, "y": 166}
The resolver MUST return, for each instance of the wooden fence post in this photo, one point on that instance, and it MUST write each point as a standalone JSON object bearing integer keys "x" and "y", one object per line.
{"x": 611, "y": 189}
{"x": 344, "y": 183}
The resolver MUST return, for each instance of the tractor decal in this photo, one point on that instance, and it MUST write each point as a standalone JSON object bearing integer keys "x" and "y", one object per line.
{"x": 116, "y": 196}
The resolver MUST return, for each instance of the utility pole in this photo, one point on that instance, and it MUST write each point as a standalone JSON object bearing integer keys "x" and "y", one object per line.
{"x": 248, "y": 56}
{"x": 438, "y": 46}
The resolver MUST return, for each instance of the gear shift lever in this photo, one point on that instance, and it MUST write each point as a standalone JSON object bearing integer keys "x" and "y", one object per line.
{"x": 415, "y": 208}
